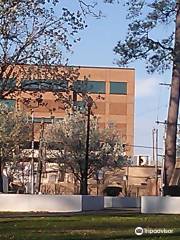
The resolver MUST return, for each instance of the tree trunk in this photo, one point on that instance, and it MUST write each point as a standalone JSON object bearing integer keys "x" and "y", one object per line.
{"x": 83, "y": 186}
{"x": 170, "y": 142}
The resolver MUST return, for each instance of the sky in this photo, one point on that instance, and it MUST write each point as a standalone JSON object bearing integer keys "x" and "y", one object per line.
{"x": 151, "y": 99}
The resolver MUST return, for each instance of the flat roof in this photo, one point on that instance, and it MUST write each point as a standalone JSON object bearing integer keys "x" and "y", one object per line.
{"x": 78, "y": 66}
{"x": 102, "y": 67}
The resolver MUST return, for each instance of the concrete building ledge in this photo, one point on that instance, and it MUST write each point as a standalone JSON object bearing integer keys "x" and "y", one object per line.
{"x": 121, "y": 202}
{"x": 157, "y": 204}
{"x": 49, "y": 203}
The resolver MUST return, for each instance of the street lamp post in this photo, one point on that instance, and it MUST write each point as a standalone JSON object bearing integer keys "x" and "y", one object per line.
{"x": 32, "y": 158}
{"x": 85, "y": 177}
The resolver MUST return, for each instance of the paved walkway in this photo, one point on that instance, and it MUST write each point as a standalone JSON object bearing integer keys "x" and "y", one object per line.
{"x": 108, "y": 211}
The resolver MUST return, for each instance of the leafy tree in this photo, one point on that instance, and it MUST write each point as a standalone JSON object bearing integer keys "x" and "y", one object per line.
{"x": 146, "y": 19}
{"x": 15, "y": 131}
{"x": 69, "y": 138}
{"x": 38, "y": 32}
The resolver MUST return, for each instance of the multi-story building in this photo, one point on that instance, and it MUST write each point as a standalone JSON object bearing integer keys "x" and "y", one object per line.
{"x": 112, "y": 89}
{"x": 116, "y": 87}
{"x": 44, "y": 91}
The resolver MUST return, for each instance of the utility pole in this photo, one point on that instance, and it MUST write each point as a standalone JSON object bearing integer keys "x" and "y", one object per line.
{"x": 84, "y": 183}
{"x": 32, "y": 158}
{"x": 41, "y": 158}
{"x": 155, "y": 157}
{"x": 162, "y": 168}
{"x": 153, "y": 147}
{"x": 156, "y": 164}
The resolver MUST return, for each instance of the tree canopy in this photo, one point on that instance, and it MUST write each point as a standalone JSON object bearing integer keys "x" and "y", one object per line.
{"x": 69, "y": 138}
{"x": 38, "y": 33}
{"x": 15, "y": 132}
{"x": 146, "y": 19}
{"x": 144, "y": 42}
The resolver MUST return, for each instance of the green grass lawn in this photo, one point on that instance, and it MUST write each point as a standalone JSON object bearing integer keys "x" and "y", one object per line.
{"x": 91, "y": 227}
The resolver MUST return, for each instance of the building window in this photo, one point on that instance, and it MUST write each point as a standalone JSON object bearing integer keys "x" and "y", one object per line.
{"x": 9, "y": 103}
{"x": 45, "y": 120}
{"x": 96, "y": 87}
{"x": 45, "y": 85}
{"x": 89, "y": 86}
{"x": 28, "y": 145}
{"x": 80, "y": 105}
{"x": 118, "y": 88}
{"x": 7, "y": 84}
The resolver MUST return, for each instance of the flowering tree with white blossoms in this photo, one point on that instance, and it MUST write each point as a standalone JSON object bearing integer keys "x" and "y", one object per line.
{"x": 69, "y": 138}
{"x": 15, "y": 132}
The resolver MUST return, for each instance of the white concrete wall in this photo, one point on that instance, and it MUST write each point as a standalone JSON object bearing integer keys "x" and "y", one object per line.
{"x": 40, "y": 203}
{"x": 121, "y": 202}
{"x": 92, "y": 203}
{"x": 49, "y": 203}
{"x": 167, "y": 204}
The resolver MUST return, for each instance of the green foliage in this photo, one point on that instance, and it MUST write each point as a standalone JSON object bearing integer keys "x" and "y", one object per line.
{"x": 15, "y": 131}
{"x": 35, "y": 36}
{"x": 32, "y": 31}
{"x": 69, "y": 137}
{"x": 146, "y": 18}
{"x": 99, "y": 226}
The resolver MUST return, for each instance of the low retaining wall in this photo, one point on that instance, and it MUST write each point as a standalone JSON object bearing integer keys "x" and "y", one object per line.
{"x": 92, "y": 203}
{"x": 39, "y": 203}
{"x": 122, "y": 202}
{"x": 49, "y": 203}
{"x": 167, "y": 204}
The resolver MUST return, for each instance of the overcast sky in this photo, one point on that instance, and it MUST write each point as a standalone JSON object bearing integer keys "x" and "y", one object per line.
{"x": 96, "y": 49}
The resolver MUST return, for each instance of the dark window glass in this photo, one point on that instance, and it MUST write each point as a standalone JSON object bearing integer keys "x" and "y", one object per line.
{"x": 90, "y": 86}
{"x": 45, "y": 120}
{"x": 96, "y": 87}
{"x": 28, "y": 145}
{"x": 7, "y": 84}
{"x": 45, "y": 85}
{"x": 80, "y": 86}
{"x": 118, "y": 88}
{"x": 10, "y": 103}
{"x": 80, "y": 105}
{"x": 40, "y": 120}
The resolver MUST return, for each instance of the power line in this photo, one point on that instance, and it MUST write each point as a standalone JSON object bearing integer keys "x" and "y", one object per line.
{"x": 165, "y": 123}
{"x": 165, "y": 84}
{"x": 140, "y": 146}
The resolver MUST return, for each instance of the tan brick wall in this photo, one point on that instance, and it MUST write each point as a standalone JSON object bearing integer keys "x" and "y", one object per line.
{"x": 118, "y": 109}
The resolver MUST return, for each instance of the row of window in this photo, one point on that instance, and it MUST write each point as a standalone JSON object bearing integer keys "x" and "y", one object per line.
{"x": 45, "y": 85}
{"x": 45, "y": 120}
{"x": 119, "y": 88}
{"x": 7, "y": 84}
{"x": 10, "y": 103}
{"x": 89, "y": 86}
{"x": 78, "y": 86}
{"x": 98, "y": 87}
